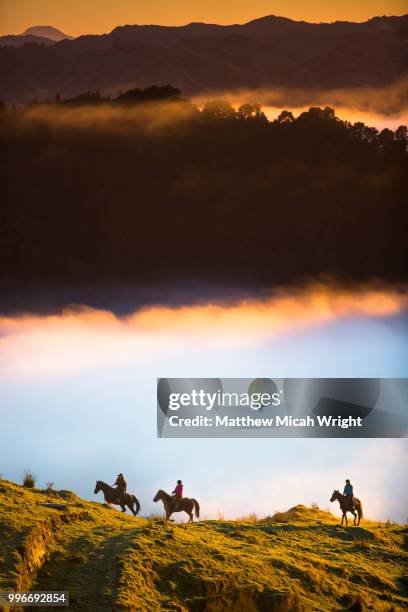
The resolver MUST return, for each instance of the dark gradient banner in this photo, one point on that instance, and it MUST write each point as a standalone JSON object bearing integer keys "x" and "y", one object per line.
{"x": 282, "y": 407}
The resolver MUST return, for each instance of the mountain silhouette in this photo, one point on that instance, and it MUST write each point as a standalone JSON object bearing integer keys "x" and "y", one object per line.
{"x": 40, "y": 35}
{"x": 19, "y": 40}
{"x": 46, "y": 32}
{"x": 267, "y": 52}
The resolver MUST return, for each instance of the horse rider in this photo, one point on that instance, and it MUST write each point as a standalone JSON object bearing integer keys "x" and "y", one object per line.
{"x": 178, "y": 493}
{"x": 349, "y": 493}
{"x": 121, "y": 486}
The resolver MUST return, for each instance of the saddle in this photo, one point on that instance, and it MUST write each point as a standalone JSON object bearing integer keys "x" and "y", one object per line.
{"x": 120, "y": 496}
{"x": 351, "y": 503}
{"x": 177, "y": 503}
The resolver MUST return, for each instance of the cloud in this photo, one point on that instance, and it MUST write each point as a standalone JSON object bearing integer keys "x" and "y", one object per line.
{"x": 84, "y": 381}
{"x": 81, "y": 337}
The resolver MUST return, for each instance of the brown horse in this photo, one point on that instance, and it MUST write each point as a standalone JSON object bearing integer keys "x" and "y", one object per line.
{"x": 185, "y": 504}
{"x": 345, "y": 506}
{"x": 112, "y": 496}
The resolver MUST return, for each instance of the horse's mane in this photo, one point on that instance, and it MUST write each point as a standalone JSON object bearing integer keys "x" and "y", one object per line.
{"x": 167, "y": 495}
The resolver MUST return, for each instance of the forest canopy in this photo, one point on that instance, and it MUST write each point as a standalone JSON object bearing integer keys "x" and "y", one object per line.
{"x": 149, "y": 188}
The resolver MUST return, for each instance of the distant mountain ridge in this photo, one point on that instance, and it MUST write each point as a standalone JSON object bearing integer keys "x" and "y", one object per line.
{"x": 19, "y": 40}
{"x": 40, "y": 35}
{"x": 267, "y": 52}
{"x": 46, "y": 32}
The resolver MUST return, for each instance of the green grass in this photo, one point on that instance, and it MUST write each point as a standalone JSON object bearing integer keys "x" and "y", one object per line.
{"x": 298, "y": 560}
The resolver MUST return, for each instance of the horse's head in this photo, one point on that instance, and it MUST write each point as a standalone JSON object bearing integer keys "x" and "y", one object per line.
{"x": 336, "y": 495}
{"x": 98, "y": 486}
{"x": 158, "y": 496}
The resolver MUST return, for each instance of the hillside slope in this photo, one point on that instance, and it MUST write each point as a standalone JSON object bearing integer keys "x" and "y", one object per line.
{"x": 303, "y": 561}
{"x": 264, "y": 53}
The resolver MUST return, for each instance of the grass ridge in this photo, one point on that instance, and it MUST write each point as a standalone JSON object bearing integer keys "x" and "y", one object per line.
{"x": 298, "y": 560}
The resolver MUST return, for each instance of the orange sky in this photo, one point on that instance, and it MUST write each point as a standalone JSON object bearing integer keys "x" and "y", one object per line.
{"x": 77, "y": 17}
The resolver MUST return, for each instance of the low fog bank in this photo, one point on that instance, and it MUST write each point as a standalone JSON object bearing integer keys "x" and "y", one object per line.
{"x": 375, "y": 106}
{"x": 387, "y": 101}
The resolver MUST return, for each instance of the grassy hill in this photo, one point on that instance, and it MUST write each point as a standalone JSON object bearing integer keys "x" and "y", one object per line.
{"x": 297, "y": 560}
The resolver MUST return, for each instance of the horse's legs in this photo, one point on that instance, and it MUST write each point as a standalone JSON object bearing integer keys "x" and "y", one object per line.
{"x": 123, "y": 507}
{"x": 190, "y": 514}
{"x": 130, "y": 506}
{"x": 355, "y": 517}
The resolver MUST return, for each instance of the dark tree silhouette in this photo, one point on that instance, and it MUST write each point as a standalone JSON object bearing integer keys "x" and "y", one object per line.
{"x": 250, "y": 111}
{"x": 285, "y": 117}
{"x": 219, "y": 109}
{"x": 153, "y": 93}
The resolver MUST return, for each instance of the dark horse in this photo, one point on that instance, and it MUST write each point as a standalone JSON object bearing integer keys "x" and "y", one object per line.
{"x": 112, "y": 496}
{"x": 185, "y": 504}
{"x": 346, "y": 506}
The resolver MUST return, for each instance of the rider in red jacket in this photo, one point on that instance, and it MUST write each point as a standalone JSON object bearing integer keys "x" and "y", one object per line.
{"x": 178, "y": 491}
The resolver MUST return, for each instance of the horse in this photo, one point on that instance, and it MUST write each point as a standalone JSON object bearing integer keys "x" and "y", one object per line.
{"x": 185, "y": 504}
{"x": 112, "y": 496}
{"x": 345, "y": 506}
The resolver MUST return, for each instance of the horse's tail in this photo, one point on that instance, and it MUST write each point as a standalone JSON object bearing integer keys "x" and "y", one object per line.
{"x": 196, "y": 508}
{"x": 137, "y": 503}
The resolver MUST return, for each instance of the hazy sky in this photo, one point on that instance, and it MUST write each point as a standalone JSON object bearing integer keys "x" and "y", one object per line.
{"x": 77, "y": 17}
{"x": 78, "y": 400}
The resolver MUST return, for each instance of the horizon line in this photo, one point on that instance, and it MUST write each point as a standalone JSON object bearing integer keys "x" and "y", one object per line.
{"x": 221, "y": 25}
